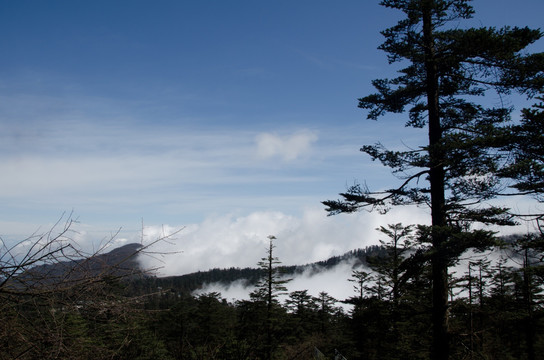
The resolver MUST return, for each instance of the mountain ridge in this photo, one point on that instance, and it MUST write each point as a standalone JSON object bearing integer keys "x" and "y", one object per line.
{"x": 188, "y": 283}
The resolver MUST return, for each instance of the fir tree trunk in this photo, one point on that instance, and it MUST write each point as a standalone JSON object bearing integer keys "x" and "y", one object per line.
{"x": 527, "y": 297}
{"x": 440, "y": 347}
{"x": 269, "y": 297}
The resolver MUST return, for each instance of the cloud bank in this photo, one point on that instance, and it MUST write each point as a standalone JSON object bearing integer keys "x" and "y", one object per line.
{"x": 333, "y": 281}
{"x": 241, "y": 240}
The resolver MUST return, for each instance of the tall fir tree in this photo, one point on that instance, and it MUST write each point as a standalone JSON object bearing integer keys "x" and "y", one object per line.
{"x": 391, "y": 267}
{"x": 268, "y": 289}
{"x": 361, "y": 279}
{"x": 454, "y": 172}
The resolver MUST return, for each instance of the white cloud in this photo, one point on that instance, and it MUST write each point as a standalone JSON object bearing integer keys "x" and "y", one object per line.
{"x": 333, "y": 281}
{"x": 288, "y": 147}
{"x": 236, "y": 240}
{"x": 240, "y": 241}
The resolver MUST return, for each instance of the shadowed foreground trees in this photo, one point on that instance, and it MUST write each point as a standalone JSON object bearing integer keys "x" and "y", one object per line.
{"x": 492, "y": 322}
{"x": 58, "y": 302}
{"x": 110, "y": 318}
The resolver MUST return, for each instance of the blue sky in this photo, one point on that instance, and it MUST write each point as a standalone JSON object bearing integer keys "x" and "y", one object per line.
{"x": 206, "y": 114}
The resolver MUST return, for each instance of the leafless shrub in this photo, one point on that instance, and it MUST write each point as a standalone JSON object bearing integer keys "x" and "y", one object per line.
{"x": 51, "y": 290}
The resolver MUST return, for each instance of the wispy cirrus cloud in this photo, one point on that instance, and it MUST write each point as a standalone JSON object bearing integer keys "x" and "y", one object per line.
{"x": 77, "y": 153}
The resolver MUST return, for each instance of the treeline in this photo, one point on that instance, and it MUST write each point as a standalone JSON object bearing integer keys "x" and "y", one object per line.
{"x": 495, "y": 312}
{"x": 188, "y": 283}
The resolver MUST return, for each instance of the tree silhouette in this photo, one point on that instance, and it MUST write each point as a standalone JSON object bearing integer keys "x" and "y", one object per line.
{"x": 455, "y": 171}
{"x": 268, "y": 289}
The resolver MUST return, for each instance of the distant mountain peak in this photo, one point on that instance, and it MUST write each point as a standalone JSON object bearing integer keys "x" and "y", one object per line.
{"x": 121, "y": 262}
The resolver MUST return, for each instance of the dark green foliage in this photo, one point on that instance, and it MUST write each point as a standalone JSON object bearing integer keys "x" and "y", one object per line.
{"x": 200, "y": 327}
{"x": 304, "y": 309}
{"x": 397, "y": 303}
